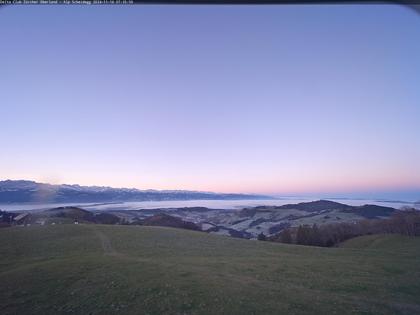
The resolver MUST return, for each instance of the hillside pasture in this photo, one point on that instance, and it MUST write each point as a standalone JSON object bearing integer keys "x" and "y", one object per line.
{"x": 98, "y": 269}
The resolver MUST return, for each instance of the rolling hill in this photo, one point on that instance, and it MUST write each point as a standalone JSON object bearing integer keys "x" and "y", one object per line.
{"x": 98, "y": 269}
{"x": 243, "y": 223}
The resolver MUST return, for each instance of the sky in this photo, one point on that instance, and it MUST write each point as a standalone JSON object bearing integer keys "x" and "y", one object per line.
{"x": 283, "y": 100}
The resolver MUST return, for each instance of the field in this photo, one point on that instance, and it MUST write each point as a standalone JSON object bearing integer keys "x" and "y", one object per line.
{"x": 98, "y": 269}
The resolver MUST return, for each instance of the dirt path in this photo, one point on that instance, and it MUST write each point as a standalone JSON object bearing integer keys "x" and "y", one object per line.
{"x": 105, "y": 241}
{"x": 109, "y": 249}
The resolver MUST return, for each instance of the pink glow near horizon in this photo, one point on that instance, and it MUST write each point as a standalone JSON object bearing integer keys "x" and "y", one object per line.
{"x": 292, "y": 187}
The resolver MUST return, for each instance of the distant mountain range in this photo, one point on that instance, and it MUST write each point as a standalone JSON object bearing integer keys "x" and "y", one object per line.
{"x": 15, "y": 191}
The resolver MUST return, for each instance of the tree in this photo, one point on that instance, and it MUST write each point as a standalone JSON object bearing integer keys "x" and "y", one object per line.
{"x": 286, "y": 236}
{"x": 303, "y": 234}
{"x": 300, "y": 237}
{"x": 315, "y": 236}
{"x": 262, "y": 237}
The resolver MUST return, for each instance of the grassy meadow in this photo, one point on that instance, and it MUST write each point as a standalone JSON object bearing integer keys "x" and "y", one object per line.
{"x": 98, "y": 269}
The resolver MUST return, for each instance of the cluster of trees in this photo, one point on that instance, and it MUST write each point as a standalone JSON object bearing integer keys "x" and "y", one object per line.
{"x": 405, "y": 222}
{"x": 6, "y": 218}
{"x": 261, "y": 237}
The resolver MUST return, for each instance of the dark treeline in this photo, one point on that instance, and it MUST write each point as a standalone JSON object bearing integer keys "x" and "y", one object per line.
{"x": 406, "y": 222}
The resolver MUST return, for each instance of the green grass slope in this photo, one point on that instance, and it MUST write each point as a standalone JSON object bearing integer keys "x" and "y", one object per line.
{"x": 94, "y": 269}
{"x": 397, "y": 244}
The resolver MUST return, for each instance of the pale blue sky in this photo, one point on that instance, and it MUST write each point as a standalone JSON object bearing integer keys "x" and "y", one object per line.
{"x": 265, "y": 99}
